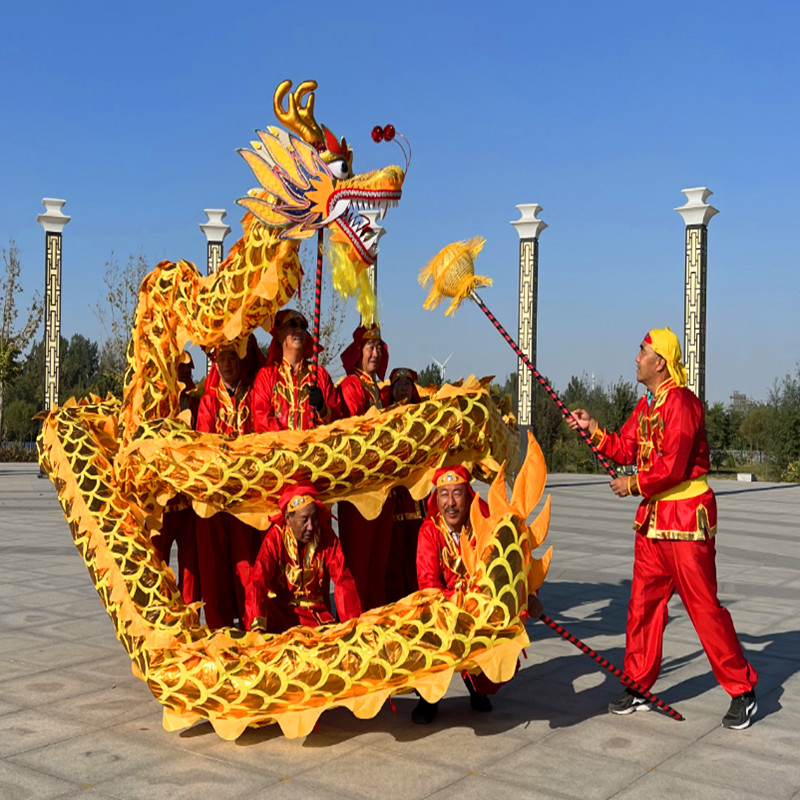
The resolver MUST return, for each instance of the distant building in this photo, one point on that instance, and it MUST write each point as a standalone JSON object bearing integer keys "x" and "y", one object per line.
{"x": 740, "y": 401}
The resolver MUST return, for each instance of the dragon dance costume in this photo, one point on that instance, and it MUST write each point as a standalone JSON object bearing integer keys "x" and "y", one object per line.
{"x": 675, "y": 523}
{"x": 289, "y": 581}
{"x": 116, "y": 463}
{"x": 365, "y": 542}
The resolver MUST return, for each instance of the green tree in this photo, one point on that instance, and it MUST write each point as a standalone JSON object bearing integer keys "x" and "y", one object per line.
{"x": 782, "y": 421}
{"x": 13, "y": 339}
{"x": 718, "y": 433}
{"x": 430, "y": 376}
{"x": 79, "y": 368}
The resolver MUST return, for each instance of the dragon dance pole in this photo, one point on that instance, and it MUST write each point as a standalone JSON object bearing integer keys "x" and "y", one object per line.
{"x": 603, "y": 662}
{"x": 317, "y": 305}
{"x": 549, "y": 389}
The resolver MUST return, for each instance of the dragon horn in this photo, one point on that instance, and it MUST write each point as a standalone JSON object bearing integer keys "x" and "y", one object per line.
{"x": 298, "y": 117}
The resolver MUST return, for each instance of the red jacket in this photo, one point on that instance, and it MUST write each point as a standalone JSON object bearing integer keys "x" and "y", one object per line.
{"x": 221, "y": 412}
{"x": 439, "y": 564}
{"x": 280, "y": 398}
{"x": 666, "y": 438}
{"x": 290, "y": 586}
{"x": 359, "y": 393}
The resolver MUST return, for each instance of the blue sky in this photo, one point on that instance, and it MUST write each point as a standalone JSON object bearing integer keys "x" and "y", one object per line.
{"x": 601, "y": 113}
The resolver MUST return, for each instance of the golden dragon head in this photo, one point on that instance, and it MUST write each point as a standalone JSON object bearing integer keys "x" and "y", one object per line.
{"x": 308, "y": 182}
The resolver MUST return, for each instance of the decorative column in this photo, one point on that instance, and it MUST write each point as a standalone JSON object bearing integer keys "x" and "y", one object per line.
{"x": 373, "y": 217}
{"x": 528, "y": 228}
{"x": 53, "y": 222}
{"x": 215, "y": 230}
{"x": 696, "y": 215}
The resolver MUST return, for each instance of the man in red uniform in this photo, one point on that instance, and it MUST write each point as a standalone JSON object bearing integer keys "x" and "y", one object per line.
{"x": 286, "y": 393}
{"x": 289, "y": 584}
{"x": 178, "y": 522}
{"x": 439, "y": 565}
{"x": 365, "y": 542}
{"x": 226, "y": 547}
{"x": 407, "y": 513}
{"x": 675, "y": 524}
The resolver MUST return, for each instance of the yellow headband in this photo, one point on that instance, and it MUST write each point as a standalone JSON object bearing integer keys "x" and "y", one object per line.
{"x": 665, "y": 344}
{"x": 296, "y": 503}
{"x": 449, "y": 478}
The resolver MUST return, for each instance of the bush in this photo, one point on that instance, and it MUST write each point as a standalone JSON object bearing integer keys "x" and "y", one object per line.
{"x": 792, "y": 472}
{"x": 14, "y": 452}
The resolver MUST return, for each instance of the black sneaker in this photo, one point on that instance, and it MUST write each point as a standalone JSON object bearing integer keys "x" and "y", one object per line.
{"x": 424, "y": 712}
{"x": 479, "y": 702}
{"x": 628, "y": 702}
{"x": 740, "y": 714}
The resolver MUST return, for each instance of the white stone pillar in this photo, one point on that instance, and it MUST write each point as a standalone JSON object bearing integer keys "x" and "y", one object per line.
{"x": 528, "y": 227}
{"x": 373, "y": 217}
{"x": 696, "y": 215}
{"x": 53, "y": 221}
{"x": 215, "y": 230}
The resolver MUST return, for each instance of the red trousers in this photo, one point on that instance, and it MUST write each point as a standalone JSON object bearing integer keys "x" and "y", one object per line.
{"x": 662, "y": 567}
{"x": 179, "y": 527}
{"x": 226, "y": 552}
{"x": 365, "y": 544}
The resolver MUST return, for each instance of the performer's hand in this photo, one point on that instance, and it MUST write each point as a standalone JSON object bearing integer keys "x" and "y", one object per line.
{"x": 620, "y": 486}
{"x": 535, "y": 607}
{"x": 583, "y": 420}
{"x": 315, "y": 397}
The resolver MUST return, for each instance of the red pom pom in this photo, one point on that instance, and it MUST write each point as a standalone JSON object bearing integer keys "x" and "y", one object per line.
{"x": 377, "y": 133}
{"x": 388, "y": 133}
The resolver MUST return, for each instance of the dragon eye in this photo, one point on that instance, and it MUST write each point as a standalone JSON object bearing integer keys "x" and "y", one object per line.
{"x": 339, "y": 169}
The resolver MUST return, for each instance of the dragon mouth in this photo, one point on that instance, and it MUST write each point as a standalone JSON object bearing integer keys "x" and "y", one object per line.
{"x": 346, "y": 212}
{"x": 352, "y": 203}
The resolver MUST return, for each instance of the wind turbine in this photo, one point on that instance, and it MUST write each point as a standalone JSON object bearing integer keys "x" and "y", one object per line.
{"x": 442, "y": 365}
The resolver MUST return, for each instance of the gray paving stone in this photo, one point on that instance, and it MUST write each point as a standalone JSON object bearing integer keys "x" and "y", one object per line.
{"x": 21, "y": 783}
{"x": 75, "y": 723}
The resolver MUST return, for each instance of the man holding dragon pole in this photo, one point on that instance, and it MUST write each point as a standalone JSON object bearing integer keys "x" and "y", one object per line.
{"x": 675, "y": 525}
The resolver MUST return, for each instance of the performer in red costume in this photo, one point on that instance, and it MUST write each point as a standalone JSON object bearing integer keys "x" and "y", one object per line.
{"x": 286, "y": 395}
{"x": 365, "y": 542}
{"x": 439, "y": 566}
{"x": 407, "y": 513}
{"x": 226, "y": 547}
{"x": 289, "y": 584}
{"x": 675, "y": 524}
{"x": 178, "y": 523}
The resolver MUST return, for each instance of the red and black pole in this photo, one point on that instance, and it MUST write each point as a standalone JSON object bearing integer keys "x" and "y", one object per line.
{"x": 549, "y": 389}
{"x": 603, "y": 662}
{"x": 317, "y": 304}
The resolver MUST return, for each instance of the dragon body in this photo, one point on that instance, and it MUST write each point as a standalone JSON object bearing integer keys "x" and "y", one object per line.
{"x": 115, "y": 465}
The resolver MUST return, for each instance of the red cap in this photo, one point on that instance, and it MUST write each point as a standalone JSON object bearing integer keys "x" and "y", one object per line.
{"x": 275, "y": 354}
{"x": 351, "y": 357}
{"x": 449, "y": 476}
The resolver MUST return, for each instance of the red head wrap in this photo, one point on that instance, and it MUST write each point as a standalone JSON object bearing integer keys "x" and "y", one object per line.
{"x": 449, "y": 476}
{"x": 351, "y": 356}
{"x": 252, "y": 361}
{"x": 394, "y": 376}
{"x": 275, "y": 354}
{"x": 296, "y": 496}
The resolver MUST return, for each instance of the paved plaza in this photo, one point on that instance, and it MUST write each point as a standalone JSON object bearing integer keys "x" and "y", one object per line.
{"x": 75, "y": 723}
